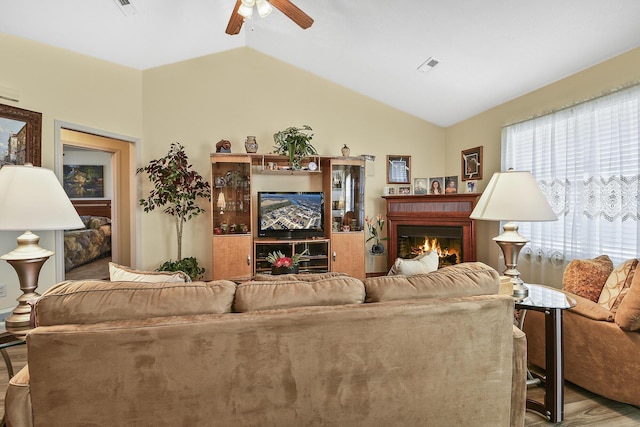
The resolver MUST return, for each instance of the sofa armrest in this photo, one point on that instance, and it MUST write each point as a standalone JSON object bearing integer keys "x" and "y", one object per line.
{"x": 17, "y": 402}
{"x": 587, "y": 308}
{"x": 519, "y": 378}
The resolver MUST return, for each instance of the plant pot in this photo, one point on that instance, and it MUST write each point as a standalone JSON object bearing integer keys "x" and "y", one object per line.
{"x": 285, "y": 270}
{"x": 377, "y": 249}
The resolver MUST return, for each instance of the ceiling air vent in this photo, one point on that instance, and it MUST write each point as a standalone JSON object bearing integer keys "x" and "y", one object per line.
{"x": 126, "y": 6}
{"x": 428, "y": 65}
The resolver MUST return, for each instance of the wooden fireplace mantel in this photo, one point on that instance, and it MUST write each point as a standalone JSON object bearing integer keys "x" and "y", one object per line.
{"x": 445, "y": 210}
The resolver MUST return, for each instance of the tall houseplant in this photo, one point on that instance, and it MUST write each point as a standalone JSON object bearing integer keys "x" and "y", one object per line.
{"x": 176, "y": 188}
{"x": 294, "y": 142}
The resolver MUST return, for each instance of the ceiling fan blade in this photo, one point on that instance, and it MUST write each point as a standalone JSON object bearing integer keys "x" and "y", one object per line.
{"x": 236, "y": 20}
{"x": 293, "y": 12}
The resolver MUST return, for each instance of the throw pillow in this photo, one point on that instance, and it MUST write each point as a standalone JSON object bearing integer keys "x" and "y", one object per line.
{"x": 586, "y": 277}
{"x": 422, "y": 264}
{"x": 617, "y": 285}
{"x": 120, "y": 273}
{"x": 628, "y": 314}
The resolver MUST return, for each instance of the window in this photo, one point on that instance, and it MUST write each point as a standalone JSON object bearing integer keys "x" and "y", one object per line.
{"x": 587, "y": 161}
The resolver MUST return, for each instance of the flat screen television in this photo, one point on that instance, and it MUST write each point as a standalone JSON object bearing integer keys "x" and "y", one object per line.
{"x": 290, "y": 214}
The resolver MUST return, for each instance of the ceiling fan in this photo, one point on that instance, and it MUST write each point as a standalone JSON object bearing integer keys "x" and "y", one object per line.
{"x": 285, "y": 6}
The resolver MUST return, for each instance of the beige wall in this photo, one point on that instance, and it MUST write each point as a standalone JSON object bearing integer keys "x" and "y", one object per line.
{"x": 70, "y": 87}
{"x": 485, "y": 129}
{"x": 243, "y": 92}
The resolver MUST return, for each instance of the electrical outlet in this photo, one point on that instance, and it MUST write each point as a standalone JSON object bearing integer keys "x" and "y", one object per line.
{"x": 3, "y": 290}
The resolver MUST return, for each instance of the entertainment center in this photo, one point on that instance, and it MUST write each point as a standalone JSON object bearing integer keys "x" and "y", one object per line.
{"x": 248, "y": 224}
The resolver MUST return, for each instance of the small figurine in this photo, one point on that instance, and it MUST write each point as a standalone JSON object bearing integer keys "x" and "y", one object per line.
{"x": 223, "y": 146}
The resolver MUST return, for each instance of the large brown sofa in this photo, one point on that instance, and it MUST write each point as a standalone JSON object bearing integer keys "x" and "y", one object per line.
{"x": 601, "y": 333}
{"x": 437, "y": 349}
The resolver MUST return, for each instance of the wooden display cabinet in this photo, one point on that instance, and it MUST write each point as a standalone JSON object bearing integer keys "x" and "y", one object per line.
{"x": 231, "y": 216}
{"x": 316, "y": 260}
{"x": 343, "y": 183}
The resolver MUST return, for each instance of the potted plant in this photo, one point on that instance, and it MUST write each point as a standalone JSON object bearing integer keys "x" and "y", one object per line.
{"x": 176, "y": 188}
{"x": 295, "y": 143}
{"x": 375, "y": 227}
{"x": 281, "y": 264}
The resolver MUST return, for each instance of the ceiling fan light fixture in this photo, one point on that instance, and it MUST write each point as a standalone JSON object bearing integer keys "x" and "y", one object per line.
{"x": 246, "y": 8}
{"x": 264, "y": 8}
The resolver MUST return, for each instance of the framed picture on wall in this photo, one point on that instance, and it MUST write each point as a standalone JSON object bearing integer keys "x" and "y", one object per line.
{"x": 20, "y": 136}
{"x": 472, "y": 163}
{"x": 398, "y": 169}
{"x": 83, "y": 181}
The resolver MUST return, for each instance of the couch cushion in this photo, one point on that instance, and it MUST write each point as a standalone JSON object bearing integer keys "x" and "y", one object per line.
{"x": 460, "y": 280}
{"x": 94, "y": 301}
{"x": 628, "y": 314}
{"x": 303, "y": 277}
{"x": 617, "y": 285}
{"x": 120, "y": 273}
{"x": 586, "y": 277}
{"x": 253, "y": 296}
{"x": 422, "y": 264}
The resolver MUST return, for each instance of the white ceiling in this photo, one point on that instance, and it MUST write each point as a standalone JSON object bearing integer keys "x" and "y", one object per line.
{"x": 490, "y": 51}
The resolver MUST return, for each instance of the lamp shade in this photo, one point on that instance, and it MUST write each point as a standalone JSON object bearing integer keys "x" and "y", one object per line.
{"x": 31, "y": 198}
{"x": 513, "y": 196}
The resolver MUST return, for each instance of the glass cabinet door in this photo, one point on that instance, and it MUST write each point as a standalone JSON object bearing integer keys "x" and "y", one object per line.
{"x": 231, "y": 195}
{"x": 347, "y": 197}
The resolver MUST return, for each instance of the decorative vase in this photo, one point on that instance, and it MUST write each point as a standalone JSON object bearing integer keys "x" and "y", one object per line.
{"x": 377, "y": 249}
{"x": 346, "y": 151}
{"x": 251, "y": 145}
{"x": 284, "y": 270}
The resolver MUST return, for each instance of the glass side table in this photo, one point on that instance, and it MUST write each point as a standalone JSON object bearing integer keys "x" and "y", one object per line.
{"x": 552, "y": 303}
{"x": 8, "y": 340}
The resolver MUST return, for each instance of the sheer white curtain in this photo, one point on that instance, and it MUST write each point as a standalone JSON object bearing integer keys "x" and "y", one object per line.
{"x": 587, "y": 162}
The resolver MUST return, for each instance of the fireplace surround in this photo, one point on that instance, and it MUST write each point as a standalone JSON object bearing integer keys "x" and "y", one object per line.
{"x": 445, "y": 217}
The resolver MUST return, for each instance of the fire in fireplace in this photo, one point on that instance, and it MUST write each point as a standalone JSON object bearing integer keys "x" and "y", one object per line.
{"x": 413, "y": 240}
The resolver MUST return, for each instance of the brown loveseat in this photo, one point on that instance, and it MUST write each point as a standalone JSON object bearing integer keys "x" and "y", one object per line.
{"x": 436, "y": 349}
{"x": 601, "y": 333}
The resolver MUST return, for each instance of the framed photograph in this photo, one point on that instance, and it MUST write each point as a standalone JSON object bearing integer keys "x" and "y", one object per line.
{"x": 451, "y": 185}
{"x": 20, "y": 136}
{"x": 404, "y": 190}
{"x": 471, "y": 187}
{"x": 436, "y": 185}
{"x": 472, "y": 163}
{"x": 82, "y": 181}
{"x": 420, "y": 186}
{"x": 390, "y": 190}
{"x": 398, "y": 169}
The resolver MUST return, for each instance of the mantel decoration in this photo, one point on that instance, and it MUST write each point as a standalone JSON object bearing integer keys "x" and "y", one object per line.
{"x": 176, "y": 187}
{"x": 375, "y": 227}
{"x": 282, "y": 264}
{"x": 294, "y": 142}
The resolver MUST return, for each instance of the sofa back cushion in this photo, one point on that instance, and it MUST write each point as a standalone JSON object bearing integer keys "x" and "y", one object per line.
{"x": 302, "y": 277}
{"x": 586, "y": 277}
{"x": 267, "y": 295}
{"x": 628, "y": 314}
{"x": 94, "y": 301}
{"x": 460, "y": 280}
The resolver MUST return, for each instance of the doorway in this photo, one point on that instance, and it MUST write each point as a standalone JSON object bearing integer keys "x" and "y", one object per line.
{"x": 98, "y": 173}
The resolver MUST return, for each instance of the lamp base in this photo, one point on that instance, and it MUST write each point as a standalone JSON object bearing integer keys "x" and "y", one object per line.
{"x": 511, "y": 242}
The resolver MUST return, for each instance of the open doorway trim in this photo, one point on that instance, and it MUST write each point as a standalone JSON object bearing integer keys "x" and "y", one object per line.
{"x": 58, "y": 169}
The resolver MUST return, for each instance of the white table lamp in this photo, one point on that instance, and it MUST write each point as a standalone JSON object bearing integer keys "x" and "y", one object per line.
{"x": 31, "y": 198}
{"x": 513, "y": 196}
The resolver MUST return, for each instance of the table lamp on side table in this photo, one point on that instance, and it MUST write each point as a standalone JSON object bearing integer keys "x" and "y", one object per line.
{"x": 31, "y": 198}
{"x": 513, "y": 196}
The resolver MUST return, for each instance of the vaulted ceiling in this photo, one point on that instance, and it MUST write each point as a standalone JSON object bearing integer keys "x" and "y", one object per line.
{"x": 489, "y": 51}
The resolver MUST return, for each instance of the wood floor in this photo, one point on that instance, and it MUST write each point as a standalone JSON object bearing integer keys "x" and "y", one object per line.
{"x": 582, "y": 408}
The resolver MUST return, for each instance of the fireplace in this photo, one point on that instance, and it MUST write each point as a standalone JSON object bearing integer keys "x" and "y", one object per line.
{"x": 419, "y": 223}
